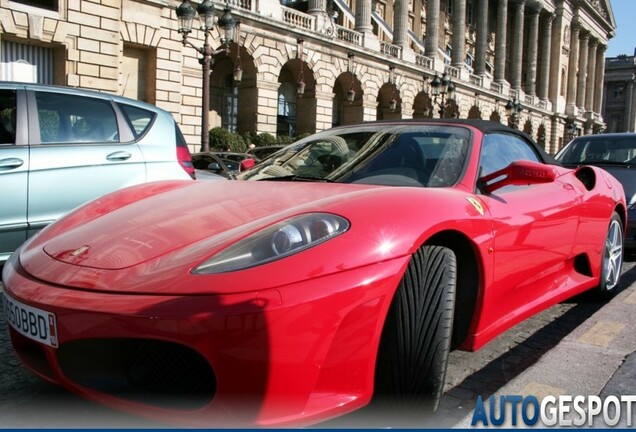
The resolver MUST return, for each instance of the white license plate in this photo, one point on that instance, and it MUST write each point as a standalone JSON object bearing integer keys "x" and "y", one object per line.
{"x": 31, "y": 322}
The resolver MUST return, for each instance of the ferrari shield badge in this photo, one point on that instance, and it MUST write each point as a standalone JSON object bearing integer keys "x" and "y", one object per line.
{"x": 475, "y": 203}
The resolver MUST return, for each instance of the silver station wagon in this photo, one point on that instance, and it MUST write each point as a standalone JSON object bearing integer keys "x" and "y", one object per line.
{"x": 61, "y": 147}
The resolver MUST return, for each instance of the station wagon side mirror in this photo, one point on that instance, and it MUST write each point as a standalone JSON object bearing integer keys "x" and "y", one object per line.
{"x": 518, "y": 173}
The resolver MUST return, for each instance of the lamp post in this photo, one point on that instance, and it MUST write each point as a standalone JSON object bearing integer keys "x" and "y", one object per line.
{"x": 393, "y": 81}
{"x": 570, "y": 129}
{"x": 513, "y": 109}
{"x": 445, "y": 89}
{"x": 185, "y": 16}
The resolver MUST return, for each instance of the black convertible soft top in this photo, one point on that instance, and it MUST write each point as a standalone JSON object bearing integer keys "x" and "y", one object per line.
{"x": 485, "y": 126}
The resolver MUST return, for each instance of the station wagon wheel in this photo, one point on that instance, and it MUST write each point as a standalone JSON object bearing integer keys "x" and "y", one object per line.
{"x": 416, "y": 339}
{"x": 612, "y": 260}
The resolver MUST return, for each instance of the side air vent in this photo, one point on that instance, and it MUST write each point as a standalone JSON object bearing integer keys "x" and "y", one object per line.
{"x": 587, "y": 177}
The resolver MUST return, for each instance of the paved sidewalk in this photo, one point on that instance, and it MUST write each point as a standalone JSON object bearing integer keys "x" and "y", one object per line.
{"x": 596, "y": 358}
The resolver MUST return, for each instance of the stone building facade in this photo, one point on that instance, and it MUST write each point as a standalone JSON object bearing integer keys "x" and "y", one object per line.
{"x": 547, "y": 54}
{"x": 619, "y": 102}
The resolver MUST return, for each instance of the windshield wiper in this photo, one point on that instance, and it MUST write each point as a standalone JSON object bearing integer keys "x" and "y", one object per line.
{"x": 297, "y": 177}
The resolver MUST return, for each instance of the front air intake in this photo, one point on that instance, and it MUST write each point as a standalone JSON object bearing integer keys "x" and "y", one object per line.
{"x": 152, "y": 372}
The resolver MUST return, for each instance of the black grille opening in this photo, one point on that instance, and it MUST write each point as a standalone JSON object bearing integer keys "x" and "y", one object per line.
{"x": 152, "y": 372}
{"x": 31, "y": 354}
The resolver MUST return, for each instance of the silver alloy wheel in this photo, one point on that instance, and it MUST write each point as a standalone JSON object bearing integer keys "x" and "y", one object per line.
{"x": 613, "y": 255}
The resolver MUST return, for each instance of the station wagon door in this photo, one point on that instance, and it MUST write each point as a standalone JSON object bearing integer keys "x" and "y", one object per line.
{"x": 14, "y": 171}
{"x": 81, "y": 150}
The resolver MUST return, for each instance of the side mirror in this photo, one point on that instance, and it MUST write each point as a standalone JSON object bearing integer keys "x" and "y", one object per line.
{"x": 518, "y": 173}
{"x": 215, "y": 167}
{"x": 246, "y": 164}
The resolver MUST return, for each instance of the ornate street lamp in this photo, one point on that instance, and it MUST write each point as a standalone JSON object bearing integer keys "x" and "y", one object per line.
{"x": 351, "y": 93}
{"x": 300, "y": 84}
{"x": 444, "y": 88}
{"x": 185, "y": 16}
{"x": 393, "y": 81}
{"x": 570, "y": 128}
{"x": 513, "y": 109}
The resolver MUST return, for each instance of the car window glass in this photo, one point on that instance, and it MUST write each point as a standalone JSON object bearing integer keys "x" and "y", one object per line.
{"x": 138, "y": 119}
{"x": 600, "y": 149}
{"x": 75, "y": 119}
{"x": 7, "y": 116}
{"x": 500, "y": 149}
{"x": 429, "y": 156}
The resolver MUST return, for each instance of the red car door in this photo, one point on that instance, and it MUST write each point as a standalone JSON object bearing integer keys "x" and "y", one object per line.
{"x": 534, "y": 229}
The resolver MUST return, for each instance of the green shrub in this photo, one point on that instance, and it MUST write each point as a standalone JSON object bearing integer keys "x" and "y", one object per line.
{"x": 264, "y": 139}
{"x": 221, "y": 140}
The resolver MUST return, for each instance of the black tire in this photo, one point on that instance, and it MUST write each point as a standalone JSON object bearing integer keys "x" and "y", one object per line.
{"x": 612, "y": 259}
{"x": 416, "y": 338}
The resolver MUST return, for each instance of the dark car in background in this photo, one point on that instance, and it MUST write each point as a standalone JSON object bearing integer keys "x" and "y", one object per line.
{"x": 616, "y": 154}
{"x": 212, "y": 163}
{"x": 261, "y": 153}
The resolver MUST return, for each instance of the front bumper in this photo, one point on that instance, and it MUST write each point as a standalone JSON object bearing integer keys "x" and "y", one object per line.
{"x": 293, "y": 355}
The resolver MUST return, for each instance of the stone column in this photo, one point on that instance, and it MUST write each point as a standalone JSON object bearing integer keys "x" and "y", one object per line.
{"x": 582, "y": 77}
{"x": 316, "y": 7}
{"x": 482, "y": 38}
{"x": 573, "y": 63}
{"x": 555, "y": 85}
{"x": 629, "y": 116}
{"x": 500, "y": 41}
{"x": 544, "y": 71}
{"x": 591, "y": 75}
{"x": 401, "y": 23}
{"x": 363, "y": 24}
{"x": 431, "y": 43}
{"x": 459, "y": 33}
{"x": 517, "y": 44}
{"x": 533, "y": 42}
{"x": 599, "y": 77}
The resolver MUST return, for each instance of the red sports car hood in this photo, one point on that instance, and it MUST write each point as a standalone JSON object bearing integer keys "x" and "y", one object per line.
{"x": 173, "y": 219}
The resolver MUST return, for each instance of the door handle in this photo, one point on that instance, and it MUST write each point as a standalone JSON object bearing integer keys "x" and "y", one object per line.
{"x": 11, "y": 163}
{"x": 118, "y": 156}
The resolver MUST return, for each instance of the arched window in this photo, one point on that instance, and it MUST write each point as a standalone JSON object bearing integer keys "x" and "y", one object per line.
{"x": 286, "y": 110}
{"x": 229, "y": 110}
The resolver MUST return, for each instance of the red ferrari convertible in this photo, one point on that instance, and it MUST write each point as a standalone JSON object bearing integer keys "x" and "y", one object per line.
{"x": 338, "y": 273}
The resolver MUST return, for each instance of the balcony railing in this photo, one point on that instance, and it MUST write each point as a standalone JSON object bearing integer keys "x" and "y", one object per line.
{"x": 452, "y": 71}
{"x": 351, "y": 36}
{"x": 241, "y": 4}
{"x": 496, "y": 87}
{"x": 389, "y": 49}
{"x": 476, "y": 80}
{"x": 423, "y": 61}
{"x": 298, "y": 19}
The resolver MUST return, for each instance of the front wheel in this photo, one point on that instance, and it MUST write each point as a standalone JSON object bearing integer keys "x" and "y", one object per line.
{"x": 416, "y": 338}
{"x": 612, "y": 260}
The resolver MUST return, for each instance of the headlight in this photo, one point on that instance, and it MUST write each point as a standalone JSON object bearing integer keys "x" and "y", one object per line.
{"x": 275, "y": 242}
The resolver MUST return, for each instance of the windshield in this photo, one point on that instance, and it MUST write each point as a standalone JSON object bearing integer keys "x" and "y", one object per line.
{"x": 407, "y": 155}
{"x": 600, "y": 150}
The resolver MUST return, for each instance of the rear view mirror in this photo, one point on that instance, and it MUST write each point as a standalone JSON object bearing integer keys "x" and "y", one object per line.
{"x": 518, "y": 173}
